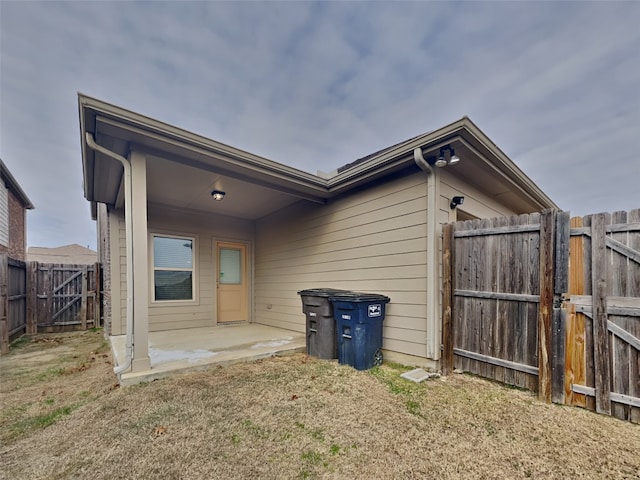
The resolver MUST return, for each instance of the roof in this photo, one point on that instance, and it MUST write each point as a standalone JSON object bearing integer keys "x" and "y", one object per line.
{"x": 73, "y": 254}
{"x": 373, "y": 155}
{"x": 14, "y": 186}
{"x": 117, "y": 129}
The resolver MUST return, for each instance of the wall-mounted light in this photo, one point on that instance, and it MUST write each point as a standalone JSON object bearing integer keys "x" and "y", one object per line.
{"x": 455, "y": 201}
{"x": 453, "y": 159}
{"x": 218, "y": 195}
{"x": 447, "y": 156}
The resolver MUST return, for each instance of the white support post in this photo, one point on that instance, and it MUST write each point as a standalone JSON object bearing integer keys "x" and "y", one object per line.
{"x": 141, "y": 361}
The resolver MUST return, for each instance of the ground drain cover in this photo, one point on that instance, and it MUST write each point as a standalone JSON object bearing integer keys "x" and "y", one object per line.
{"x": 418, "y": 375}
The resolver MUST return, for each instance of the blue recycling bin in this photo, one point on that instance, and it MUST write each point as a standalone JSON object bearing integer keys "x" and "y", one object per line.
{"x": 359, "y": 318}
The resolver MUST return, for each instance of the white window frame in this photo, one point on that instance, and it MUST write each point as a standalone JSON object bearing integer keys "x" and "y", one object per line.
{"x": 193, "y": 269}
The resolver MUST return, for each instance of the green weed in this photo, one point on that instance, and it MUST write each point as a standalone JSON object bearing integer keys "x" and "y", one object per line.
{"x": 41, "y": 421}
{"x": 20, "y": 342}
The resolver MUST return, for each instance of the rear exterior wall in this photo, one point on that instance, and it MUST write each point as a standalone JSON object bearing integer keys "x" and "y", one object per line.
{"x": 205, "y": 230}
{"x": 373, "y": 240}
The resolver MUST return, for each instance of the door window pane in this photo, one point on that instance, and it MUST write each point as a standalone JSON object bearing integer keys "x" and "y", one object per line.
{"x": 230, "y": 266}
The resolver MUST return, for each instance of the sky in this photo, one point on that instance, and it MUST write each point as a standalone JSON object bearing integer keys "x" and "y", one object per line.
{"x": 556, "y": 85}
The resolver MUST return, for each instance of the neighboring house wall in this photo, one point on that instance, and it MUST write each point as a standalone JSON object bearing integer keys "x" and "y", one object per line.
{"x": 4, "y": 219}
{"x": 371, "y": 240}
{"x": 17, "y": 229}
{"x": 206, "y": 230}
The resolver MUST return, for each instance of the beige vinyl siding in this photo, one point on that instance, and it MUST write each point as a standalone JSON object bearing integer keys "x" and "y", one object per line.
{"x": 373, "y": 240}
{"x": 475, "y": 203}
{"x": 206, "y": 229}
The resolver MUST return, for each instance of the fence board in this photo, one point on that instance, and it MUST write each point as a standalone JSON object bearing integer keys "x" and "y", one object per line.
{"x": 4, "y": 304}
{"x": 545, "y": 311}
{"x": 32, "y": 298}
{"x": 602, "y": 359}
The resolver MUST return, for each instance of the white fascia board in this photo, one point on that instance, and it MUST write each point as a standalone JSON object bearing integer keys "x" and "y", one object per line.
{"x": 164, "y": 132}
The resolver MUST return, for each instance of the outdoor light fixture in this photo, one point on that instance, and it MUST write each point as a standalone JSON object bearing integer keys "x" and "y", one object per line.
{"x": 455, "y": 201}
{"x": 217, "y": 195}
{"x": 441, "y": 160}
{"x": 454, "y": 158}
{"x": 446, "y": 156}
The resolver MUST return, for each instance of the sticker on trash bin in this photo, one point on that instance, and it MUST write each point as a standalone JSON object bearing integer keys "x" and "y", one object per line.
{"x": 346, "y": 317}
{"x": 312, "y": 314}
{"x": 375, "y": 310}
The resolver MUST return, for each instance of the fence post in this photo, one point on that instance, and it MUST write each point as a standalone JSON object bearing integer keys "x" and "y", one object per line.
{"x": 4, "y": 305}
{"x": 447, "y": 299}
{"x": 48, "y": 286}
{"x": 601, "y": 358}
{"x": 545, "y": 309}
{"x": 83, "y": 302}
{"x": 560, "y": 287}
{"x": 32, "y": 297}
{"x": 97, "y": 299}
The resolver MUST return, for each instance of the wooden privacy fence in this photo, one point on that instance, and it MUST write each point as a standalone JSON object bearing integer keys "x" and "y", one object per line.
{"x": 13, "y": 300}
{"x": 548, "y": 303}
{"x": 37, "y": 297}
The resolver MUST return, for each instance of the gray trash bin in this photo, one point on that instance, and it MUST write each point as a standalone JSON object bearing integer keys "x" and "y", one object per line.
{"x": 321, "y": 325}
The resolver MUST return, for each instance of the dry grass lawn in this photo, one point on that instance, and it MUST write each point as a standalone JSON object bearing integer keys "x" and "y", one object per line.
{"x": 290, "y": 417}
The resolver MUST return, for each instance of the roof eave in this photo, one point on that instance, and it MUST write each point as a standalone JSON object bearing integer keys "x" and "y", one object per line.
{"x": 458, "y": 130}
{"x": 512, "y": 170}
{"x": 13, "y": 184}
{"x": 156, "y": 128}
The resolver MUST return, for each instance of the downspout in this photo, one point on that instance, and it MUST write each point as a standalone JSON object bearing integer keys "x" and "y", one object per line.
{"x": 128, "y": 220}
{"x": 432, "y": 344}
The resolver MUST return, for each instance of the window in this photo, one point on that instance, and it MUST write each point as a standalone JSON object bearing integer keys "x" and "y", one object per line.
{"x": 173, "y": 274}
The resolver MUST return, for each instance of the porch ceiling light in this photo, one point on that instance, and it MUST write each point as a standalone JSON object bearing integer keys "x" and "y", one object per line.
{"x": 218, "y": 195}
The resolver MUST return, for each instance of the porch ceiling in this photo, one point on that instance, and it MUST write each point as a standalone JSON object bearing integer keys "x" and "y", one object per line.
{"x": 186, "y": 187}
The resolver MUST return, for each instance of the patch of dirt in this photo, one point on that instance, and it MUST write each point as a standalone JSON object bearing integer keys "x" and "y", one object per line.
{"x": 294, "y": 417}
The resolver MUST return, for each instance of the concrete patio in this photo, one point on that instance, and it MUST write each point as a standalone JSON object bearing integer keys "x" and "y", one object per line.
{"x": 179, "y": 351}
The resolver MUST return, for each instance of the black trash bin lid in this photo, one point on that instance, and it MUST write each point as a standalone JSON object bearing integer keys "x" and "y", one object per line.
{"x": 359, "y": 297}
{"x": 323, "y": 292}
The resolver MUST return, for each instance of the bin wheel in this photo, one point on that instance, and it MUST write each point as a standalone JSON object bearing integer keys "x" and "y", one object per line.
{"x": 377, "y": 359}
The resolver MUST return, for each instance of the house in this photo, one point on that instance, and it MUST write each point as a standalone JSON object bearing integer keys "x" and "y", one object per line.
{"x": 14, "y": 204}
{"x": 73, "y": 254}
{"x": 194, "y": 233}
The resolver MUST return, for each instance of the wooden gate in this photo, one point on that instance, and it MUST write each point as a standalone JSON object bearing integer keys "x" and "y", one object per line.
{"x": 547, "y": 303}
{"x": 603, "y": 320}
{"x": 68, "y": 296}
